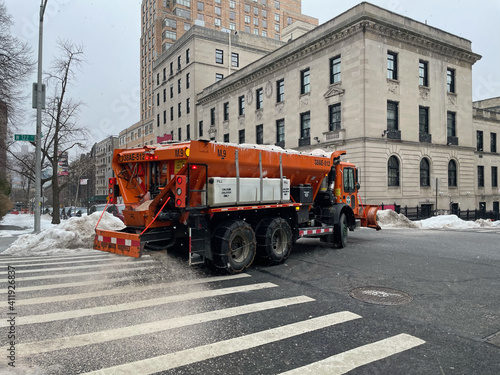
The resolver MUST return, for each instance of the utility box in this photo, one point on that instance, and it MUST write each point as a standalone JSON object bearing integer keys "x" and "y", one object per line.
{"x": 302, "y": 194}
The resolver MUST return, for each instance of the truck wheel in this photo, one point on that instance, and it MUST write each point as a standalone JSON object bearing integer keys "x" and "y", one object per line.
{"x": 233, "y": 246}
{"x": 274, "y": 240}
{"x": 341, "y": 230}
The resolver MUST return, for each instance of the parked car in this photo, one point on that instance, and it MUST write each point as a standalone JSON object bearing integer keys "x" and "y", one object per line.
{"x": 115, "y": 209}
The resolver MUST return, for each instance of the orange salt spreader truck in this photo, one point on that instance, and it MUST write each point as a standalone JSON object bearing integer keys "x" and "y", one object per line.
{"x": 226, "y": 204}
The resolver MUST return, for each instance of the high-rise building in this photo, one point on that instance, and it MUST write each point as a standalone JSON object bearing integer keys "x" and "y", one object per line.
{"x": 165, "y": 21}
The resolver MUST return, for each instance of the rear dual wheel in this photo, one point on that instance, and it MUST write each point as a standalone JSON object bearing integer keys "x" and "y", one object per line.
{"x": 274, "y": 240}
{"x": 233, "y": 246}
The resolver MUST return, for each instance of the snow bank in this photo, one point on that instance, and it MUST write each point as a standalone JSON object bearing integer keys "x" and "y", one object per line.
{"x": 71, "y": 236}
{"x": 391, "y": 219}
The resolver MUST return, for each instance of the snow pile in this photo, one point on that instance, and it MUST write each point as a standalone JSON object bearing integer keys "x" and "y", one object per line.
{"x": 75, "y": 234}
{"x": 453, "y": 221}
{"x": 24, "y": 222}
{"x": 391, "y": 219}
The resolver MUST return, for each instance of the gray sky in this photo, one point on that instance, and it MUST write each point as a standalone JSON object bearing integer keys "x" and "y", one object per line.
{"x": 110, "y": 32}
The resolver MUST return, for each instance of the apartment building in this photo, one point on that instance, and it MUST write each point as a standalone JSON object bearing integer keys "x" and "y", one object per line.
{"x": 137, "y": 135}
{"x": 395, "y": 93}
{"x": 165, "y": 21}
{"x": 103, "y": 156}
{"x": 200, "y": 58}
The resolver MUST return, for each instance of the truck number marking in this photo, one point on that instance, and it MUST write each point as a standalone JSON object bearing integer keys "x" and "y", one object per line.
{"x": 131, "y": 157}
{"x": 221, "y": 153}
{"x": 322, "y": 162}
{"x": 179, "y": 153}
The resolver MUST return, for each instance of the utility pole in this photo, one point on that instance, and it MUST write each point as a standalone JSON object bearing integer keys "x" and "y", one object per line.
{"x": 38, "y": 140}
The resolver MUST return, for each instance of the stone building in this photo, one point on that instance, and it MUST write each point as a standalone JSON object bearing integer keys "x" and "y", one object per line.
{"x": 487, "y": 155}
{"x": 139, "y": 134}
{"x": 163, "y": 22}
{"x": 395, "y": 93}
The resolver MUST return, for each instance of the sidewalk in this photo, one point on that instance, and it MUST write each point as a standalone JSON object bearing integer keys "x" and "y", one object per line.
{"x": 5, "y": 242}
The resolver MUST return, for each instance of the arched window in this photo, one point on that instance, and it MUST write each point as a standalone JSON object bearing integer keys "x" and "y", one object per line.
{"x": 393, "y": 171}
{"x": 425, "y": 176}
{"x": 452, "y": 173}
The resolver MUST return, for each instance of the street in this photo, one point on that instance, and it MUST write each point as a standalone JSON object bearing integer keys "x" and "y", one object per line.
{"x": 106, "y": 314}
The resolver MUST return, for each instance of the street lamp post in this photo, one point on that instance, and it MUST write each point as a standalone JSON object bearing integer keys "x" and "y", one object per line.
{"x": 38, "y": 140}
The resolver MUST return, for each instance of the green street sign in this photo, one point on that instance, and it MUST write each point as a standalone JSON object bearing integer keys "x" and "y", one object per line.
{"x": 24, "y": 137}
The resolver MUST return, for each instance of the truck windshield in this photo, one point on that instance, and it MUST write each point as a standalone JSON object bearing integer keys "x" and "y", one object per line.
{"x": 349, "y": 180}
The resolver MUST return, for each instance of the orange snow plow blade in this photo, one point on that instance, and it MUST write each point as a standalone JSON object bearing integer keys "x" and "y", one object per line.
{"x": 368, "y": 216}
{"x": 128, "y": 244}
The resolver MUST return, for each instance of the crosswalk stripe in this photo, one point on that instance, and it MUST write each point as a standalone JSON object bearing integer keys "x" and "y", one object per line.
{"x": 148, "y": 328}
{"x": 123, "y": 263}
{"x": 347, "y": 361}
{"x": 76, "y": 274}
{"x": 25, "y": 260}
{"x": 63, "y": 315}
{"x": 201, "y": 353}
{"x": 128, "y": 289}
{"x": 8, "y": 259}
{"x": 55, "y": 263}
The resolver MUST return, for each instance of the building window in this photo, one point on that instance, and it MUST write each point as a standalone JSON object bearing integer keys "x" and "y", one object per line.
{"x": 480, "y": 176}
{"x": 247, "y": 20}
{"x": 235, "y": 59}
{"x": 276, "y": 4}
{"x": 425, "y": 176}
{"x": 277, "y": 27}
{"x": 218, "y": 22}
{"x": 255, "y": 11}
{"x": 493, "y": 142}
{"x": 179, "y": 62}
{"x": 232, "y": 26}
{"x": 158, "y": 99}
{"x": 280, "y": 132}
{"x": 305, "y": 126}
{"x": 452, "y": 174}
{"x": 392, "y": 65}
{"x": 188, "y": 132}
{"x": 188, "y": 105}
{"x": 171, "y": 68}
{"x": 200, "y": 129}
{"x": 157, "y": 121}
{"x": 218, "y": 11}
{"x": 179, "y": 86}
{"x": 241, "y": 136}
{"x": 259, "y": 96}
{"x": 226, "y": 138}
{"x": 450, "y": 80}
{"x": 335, "y": 69}
{"x": 305, "y": 81}
{"x": 241, "y": 106}
{"x": 219, "y": 56}
{"x": 494, "y": 176}
{"x": 392, "y": 115}
{"x": 188, "y": 80}
{"x": 164, "y": 74}
{"x": 179, "y": 131}
{"x": 201, "y": 6}
{"x": 188, "y": 56}
{"x": 232, "y": 4}
{"x": 164, "y": 117}
{"x": 479, "y": 140}
{"x": 212, "y": 116}
{"x": 164, "y": 95}
{"x": 259, "y": 134}
{"x": 179, "y": 109}
{"x": 247, "y": 8}
{"x": 334, "y": 117}
{"x": 289, "y": 20}
{"x": 247, "y": 29}
{"x": 423, "y": 120}
{"x": 171, "y": 91}
{"x": 171, "y": 113}
{"x": 393, "y": 171}
{"x": 451, "y": 125}
{"x": 218, "y": 77}
{"x": 226, "y": 111}
{"x": 423, "y": 79}
{"x": 232, "y": 15}
{"x": 256, "y": 23}
{"x": 280, "y": 91}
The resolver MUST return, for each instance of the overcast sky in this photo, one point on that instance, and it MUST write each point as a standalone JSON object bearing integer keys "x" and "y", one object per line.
{"x": 110, "y": 32}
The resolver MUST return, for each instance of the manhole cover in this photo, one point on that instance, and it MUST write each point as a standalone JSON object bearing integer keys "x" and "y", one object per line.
{"x": 380, "y": 295}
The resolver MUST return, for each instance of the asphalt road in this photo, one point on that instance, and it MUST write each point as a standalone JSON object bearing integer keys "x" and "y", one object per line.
{"x": 107, "y": 314}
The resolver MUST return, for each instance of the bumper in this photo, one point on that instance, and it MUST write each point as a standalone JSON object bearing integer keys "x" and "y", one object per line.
{"x": 128, "y": 244}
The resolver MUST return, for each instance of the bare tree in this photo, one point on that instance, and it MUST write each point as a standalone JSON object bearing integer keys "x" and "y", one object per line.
{"x": 16, "y": 64}
{"x": 62, "y": 131}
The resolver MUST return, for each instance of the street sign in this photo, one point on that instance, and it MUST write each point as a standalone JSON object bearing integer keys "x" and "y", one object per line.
{"x": 24, "y": 137}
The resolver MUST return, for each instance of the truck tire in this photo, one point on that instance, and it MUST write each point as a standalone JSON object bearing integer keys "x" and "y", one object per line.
{"x": 274, "y": 240}
{"x": 233, "y": 246}
{"x": 340, "y": 232}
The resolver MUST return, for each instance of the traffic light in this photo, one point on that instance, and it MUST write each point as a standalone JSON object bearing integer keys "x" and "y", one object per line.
{"x": 180, "y": 191}
{"x": 113, "y": 190}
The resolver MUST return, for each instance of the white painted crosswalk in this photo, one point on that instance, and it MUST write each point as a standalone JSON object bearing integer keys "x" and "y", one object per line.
{"x": 45, "y": 297}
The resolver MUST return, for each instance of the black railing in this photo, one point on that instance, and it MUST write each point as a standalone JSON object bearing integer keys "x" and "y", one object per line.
{"x": 425, "y": 212}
